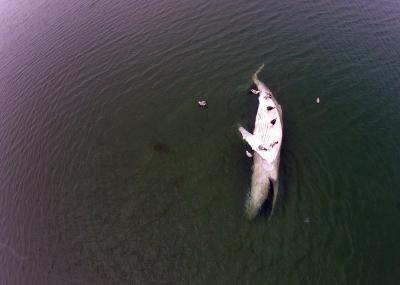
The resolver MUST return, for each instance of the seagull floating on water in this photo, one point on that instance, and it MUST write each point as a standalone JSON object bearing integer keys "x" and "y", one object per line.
{"x": 202, "y": 103}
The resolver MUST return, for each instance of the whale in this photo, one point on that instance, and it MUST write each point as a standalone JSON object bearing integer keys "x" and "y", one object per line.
{"x": 266, "y": 142}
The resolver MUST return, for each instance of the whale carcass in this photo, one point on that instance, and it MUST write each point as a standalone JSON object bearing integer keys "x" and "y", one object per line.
{"x": 266, "y": 142}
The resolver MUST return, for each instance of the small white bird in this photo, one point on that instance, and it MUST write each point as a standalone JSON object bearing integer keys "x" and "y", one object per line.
{"x": 317, "y": 100}
{"x": 248, "y": 154}
{"x": 202, "y": 103}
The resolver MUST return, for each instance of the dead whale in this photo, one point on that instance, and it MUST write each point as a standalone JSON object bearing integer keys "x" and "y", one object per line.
{"x": 266, "y": 142}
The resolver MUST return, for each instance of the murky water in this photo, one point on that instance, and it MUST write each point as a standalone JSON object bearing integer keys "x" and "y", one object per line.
{"x": 111, "y": 174}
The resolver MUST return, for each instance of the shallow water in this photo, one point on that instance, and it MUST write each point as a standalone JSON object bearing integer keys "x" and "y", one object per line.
{"x": 111, "y": 174}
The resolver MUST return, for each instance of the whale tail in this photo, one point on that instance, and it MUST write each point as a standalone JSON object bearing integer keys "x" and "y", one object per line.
{"x": 255, "y": 75}
{"x": 260, "y": 85}
{"x": 255, "y": 78}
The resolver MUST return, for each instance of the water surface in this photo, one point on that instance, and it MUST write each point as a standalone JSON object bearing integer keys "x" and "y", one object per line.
{"x": 111, "y": 174}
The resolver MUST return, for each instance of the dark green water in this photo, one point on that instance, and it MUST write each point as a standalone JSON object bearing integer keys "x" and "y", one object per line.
{"x": 111, "y": 174}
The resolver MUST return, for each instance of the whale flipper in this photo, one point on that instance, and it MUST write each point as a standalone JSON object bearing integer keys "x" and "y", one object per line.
{"x": 251, "y": 139}
{"x": 254, "y": 141}
{"x": 245, "y": 133}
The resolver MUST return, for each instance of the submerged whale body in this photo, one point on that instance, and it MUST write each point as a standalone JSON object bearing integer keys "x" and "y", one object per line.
{"x": 266, "y": 142}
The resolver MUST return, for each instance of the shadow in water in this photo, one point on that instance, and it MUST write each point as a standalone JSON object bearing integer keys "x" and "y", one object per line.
{"x": 266, "y": 207}
{"x": 162, "y": 148}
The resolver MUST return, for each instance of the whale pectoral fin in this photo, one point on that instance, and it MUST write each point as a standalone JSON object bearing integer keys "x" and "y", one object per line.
{"x": 251, "y": 139}
{"x": 247, "y": 136}
{"x": 244, "y": 132}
